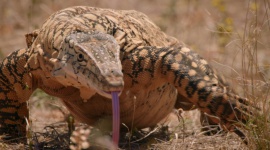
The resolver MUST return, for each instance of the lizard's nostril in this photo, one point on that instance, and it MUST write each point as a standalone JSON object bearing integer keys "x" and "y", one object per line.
{"x": 116, "y": 72}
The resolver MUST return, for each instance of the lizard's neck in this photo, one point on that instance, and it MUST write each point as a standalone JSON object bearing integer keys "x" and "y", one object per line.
{"x": 15, "y": 76}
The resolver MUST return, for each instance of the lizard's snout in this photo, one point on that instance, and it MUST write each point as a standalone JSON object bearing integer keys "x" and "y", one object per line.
{"x": 114, "y": 77}
{"x": 115, "y": 81}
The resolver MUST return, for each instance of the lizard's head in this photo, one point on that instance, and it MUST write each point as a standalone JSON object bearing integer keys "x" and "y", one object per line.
{"x": 90, "y": 60}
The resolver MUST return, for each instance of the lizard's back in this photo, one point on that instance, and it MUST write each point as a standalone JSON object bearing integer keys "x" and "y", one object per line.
{"x": 130, "y": 28}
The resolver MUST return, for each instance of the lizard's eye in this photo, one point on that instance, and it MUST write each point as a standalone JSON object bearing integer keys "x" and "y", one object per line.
{"x": 80, "y": 57}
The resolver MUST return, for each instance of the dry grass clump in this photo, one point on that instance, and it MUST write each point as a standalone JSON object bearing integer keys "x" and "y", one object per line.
{"x": 255, "y": 74}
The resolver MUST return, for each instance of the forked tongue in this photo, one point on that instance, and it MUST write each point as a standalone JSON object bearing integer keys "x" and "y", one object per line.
{"x": 116, "y": 117}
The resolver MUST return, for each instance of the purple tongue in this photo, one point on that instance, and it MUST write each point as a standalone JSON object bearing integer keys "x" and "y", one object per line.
{"x": 116, "y": 117}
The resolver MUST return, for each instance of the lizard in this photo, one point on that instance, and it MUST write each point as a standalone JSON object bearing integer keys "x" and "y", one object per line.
{"x": 81, "y": 54}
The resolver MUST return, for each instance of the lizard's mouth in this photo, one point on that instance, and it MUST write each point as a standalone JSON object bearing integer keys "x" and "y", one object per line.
{"x": 108, "y": 94}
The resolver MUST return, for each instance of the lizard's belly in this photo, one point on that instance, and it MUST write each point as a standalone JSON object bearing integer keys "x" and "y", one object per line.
{"x": 138, "y": 108}
{"x": 144, "y": 108}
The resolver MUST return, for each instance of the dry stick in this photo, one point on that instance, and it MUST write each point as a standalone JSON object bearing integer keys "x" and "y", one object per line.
{"x": 154, "y": 130}
{"x": 179, "y": 118}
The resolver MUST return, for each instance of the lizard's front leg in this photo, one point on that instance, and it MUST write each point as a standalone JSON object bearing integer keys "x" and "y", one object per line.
{"x": 196, "y": 81}
{"x": 13, "y": 115}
